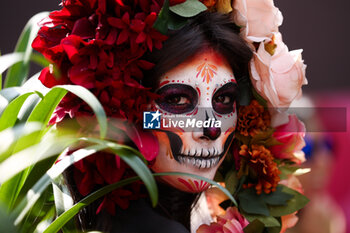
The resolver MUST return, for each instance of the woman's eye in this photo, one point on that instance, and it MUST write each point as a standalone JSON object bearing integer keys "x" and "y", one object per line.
{"x": 224, "y": 98}
{"x": 177, "y": 98}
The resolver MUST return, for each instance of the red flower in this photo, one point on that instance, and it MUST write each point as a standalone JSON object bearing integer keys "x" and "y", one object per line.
{"x": 97, "y": 169}
{"x": 100, "y": 45}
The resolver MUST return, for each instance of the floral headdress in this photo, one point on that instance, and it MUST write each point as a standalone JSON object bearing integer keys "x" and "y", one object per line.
{"x": 100, "y": 44}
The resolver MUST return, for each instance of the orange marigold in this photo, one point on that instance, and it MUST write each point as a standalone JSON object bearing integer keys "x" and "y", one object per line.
{"x": 261, "y": 167}
{"x": 252, "y": 119}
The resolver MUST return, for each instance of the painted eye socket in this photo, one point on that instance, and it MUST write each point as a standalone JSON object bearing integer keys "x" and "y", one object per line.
{"x": 224, "y": 98}
{"x": 177, "y": 98}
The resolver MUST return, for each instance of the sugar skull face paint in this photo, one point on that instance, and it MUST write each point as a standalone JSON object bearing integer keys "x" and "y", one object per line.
{"x": 201, "y": 88}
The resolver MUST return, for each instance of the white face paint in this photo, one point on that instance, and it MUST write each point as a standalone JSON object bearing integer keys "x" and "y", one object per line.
{"x": 203, "y": 87}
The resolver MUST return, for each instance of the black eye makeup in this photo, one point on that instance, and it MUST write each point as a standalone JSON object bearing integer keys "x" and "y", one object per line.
{"x": 177, "y": 98}
{"x": 223, "y": 99}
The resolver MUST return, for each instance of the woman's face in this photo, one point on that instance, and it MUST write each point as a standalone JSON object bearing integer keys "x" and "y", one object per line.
{"x": 201, "y": 93}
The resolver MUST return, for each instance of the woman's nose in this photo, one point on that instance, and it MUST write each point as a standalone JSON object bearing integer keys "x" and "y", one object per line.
{"x": 212, "y": 132}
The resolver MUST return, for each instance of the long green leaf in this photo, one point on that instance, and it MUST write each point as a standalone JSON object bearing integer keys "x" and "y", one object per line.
{"x": 48, "y": 147}
{"x": 45, "y": 108}
{"x": 19, "y": 72}
{"x": 15, "y": 170}
{"x": 9, "y": 136}
{"x": 8, "y": 60}
{"x": 9, "y": 116}
{"x": 56, "y": 225}
{"x": 6, "y": 222}
{"x": 69, "y": 214}
{"x": 189, "y": 8}
{"x": 7, "y": 95}
{"x": 43, "y": 111}
{"x": 93, "y": 102}
{"x": 53, "y": 173}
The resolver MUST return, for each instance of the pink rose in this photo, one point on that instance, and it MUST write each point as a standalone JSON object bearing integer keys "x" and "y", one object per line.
{"x": 231, "y": 222}
{"x": 260, "y": 18}
{"x": 278, "y": 77}
{"x": 291, "y": 135}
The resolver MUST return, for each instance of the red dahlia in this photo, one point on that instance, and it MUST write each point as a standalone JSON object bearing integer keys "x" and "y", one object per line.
{"x": 99, "y": 44}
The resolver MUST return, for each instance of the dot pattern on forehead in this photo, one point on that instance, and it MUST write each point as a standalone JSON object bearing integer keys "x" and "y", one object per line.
{"x": 206, "y": 71}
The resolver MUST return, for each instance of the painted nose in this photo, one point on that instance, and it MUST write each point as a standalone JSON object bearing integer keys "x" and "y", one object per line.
{"x": 212, "y": 132}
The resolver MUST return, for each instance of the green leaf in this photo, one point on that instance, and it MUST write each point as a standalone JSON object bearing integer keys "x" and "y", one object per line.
{"x": 268, "y": 221}
{"x": 276, "y": 198}
{"x": 7, "y": 95}
{"x": 287, "y": 170}
{"x": 175, "y": 21}
{"x": 19, "y": 72}
{"x": 52, "y": 174}
{"x": 9, "y": 116}
{"x": 244, "y": 139}
{"x": 259, "y": 98}
{"x": 14, "y": 171}
{"x": 265, "y": 138}
{"x": 274, "y": 229}
{"x": 93, "y": 102}
{"x": 39, "y": 59}
{"x": 43, "y": 111}
{"x": 231, "y": 181}
{"x": 8, "y": 60}
{"x": 189, "y": 8}
{"x": 162, "y": 21}
{"x": 59, "y": 222}
{"x": 6, "y": 222}
{"x": 41, "y": 211}
{"x": 254, "y": 227}
{"x": 296, "y": 203}
{"x": 48, "y": 147}
{"x": 251, "y": 203}
{"x": 10, "y": 136}
{"x": 45, "y": 108}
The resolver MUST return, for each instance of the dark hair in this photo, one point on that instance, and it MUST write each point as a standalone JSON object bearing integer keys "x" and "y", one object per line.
{"x": 207, "y": 30}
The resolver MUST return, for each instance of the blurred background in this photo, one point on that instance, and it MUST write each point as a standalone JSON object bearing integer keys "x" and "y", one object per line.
{"x": 321, "y": 29}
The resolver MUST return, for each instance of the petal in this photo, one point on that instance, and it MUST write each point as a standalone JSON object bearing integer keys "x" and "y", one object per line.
{"x": 112, "y": 37}
{"x": 141, "y": 38}
{"x": 149, "y": 43}
{"x": 137, "y": 25}
{"x": 83, "y": 28}
{"x": 126, "y": 18}
{"x": 116, "y": 22}
{"x": 123, "y": 37}
{"x": 49, "y": 80}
